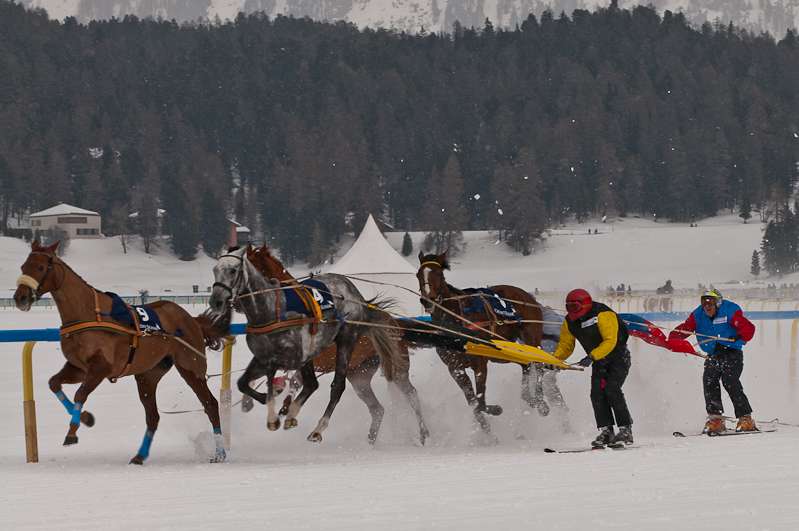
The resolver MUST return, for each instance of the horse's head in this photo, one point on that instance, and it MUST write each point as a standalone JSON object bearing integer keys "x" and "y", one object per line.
{"x": 269, "y": 266}
{"x": 257, "y": 256}
{"x": 432, "y": 283}
{"x": 37, "y": 278}
{"x": 230, "y": 278}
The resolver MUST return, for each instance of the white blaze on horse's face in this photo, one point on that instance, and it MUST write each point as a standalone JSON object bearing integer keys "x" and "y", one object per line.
{"x": 426, "y": 281}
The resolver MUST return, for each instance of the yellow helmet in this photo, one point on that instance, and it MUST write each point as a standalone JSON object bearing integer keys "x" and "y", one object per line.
{"x": 712, "y": 294}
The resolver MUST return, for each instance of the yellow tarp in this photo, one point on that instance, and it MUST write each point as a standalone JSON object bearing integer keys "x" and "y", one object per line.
{"x": 515, "y": 352}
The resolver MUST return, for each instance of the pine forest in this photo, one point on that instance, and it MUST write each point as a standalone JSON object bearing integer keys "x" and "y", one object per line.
{"x": 301, "y": 129}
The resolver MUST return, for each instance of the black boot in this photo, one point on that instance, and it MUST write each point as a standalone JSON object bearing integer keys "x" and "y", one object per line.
{"x": 604, "y": 438}
{"x": 625, "y": 435}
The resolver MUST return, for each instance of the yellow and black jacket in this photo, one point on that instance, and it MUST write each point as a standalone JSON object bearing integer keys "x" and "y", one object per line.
{"x": 600, "y": 332}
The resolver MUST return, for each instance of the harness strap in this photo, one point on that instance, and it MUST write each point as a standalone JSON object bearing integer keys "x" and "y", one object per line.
{"x": 276, "y": 326}
{"x": 104, "y": 326}
{"x": 491, "y": 323}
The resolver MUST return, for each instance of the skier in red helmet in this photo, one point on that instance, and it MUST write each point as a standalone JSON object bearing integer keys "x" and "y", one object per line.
{"x": 603, "y": 335}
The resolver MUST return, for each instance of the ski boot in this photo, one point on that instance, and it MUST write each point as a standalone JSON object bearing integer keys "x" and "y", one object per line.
{"x": 746, "y": 423}
{"x": 714, "y": 424}
{"x": 624, "y": 437}
{"x": 605, "y": 437}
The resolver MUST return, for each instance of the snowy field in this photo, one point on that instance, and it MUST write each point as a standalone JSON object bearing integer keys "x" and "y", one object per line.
{"x": 458, "y": 480}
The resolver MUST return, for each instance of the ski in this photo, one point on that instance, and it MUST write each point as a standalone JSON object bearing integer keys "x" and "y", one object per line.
{"x": 590, "y": 449}
{"x": 724, "y": 433}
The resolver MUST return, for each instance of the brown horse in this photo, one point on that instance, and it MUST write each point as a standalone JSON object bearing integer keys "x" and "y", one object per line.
{"x": 447, "y": 303}
{"x": 363, "y": 363}
{"x": 97, "y": 346}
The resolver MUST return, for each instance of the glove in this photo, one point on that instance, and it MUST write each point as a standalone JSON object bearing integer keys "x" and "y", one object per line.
{"x": 736, "y": 337}
{"x": 586, "y": 361}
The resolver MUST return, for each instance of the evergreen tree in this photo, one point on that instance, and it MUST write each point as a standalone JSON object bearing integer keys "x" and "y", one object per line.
{"x": 780, "y": 244}
{"x": 407, "y": 245}
{"x": 746, "y": 210}
{"x": 755, "y": 269}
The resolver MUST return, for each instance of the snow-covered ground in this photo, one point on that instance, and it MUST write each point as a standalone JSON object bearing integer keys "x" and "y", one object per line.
{"x": 456, "y": 481}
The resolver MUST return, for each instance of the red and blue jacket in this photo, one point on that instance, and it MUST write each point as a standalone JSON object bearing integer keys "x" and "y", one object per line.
{"x": 728, "y": 321}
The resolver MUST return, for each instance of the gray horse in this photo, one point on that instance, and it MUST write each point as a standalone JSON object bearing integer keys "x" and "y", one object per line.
{"x": 294, "y": 346}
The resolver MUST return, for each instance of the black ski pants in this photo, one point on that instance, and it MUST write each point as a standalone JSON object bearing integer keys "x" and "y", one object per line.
{"x": 607, "y": 397}
{"x": 724, "y": 367}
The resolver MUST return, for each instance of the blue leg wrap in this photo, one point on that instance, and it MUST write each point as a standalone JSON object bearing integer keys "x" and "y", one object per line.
{"x": 144, "y": 451}
{"x": 219, "y": 442}
{"x": 76, "y": 413}
{"x": 64, "y": 400}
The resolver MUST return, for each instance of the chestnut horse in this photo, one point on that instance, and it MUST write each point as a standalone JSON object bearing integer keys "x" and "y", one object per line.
{"x": 446, "y": 303}
{"x": 363, "y": 363}
{"x": 97, "y": 346}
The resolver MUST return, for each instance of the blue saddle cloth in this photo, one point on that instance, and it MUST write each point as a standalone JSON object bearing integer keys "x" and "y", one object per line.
{"x": 497, "y": 305}
{"x": 148, "y": 319}
{"x": 318, "y": 291}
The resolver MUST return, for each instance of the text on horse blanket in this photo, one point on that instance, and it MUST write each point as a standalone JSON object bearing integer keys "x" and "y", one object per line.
{"x": 489, "y": 301}
{"x": 148, "y": 319}
{"x": 319, "y": 292}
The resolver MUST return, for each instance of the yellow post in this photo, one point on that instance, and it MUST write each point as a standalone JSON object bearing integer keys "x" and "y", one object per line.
{"x": 762, "y": 308}
{"x": 29, "y": 406}
{"x": 225, "y": 394}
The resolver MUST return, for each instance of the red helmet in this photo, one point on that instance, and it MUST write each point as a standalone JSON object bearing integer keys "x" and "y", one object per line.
{"x": 578, "y": 302}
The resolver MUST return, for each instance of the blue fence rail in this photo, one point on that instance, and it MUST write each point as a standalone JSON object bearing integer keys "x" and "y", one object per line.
{"x": 51, "y": 334}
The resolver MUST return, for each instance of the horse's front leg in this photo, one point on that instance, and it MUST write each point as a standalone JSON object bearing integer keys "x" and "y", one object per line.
{"x": 457, "y": 363}
{"x": 70, "y": 374}
{"x": 253, "y": 371}
{"x": 533, "y": 375}
{"x": 99, "y": 368}
{"x": 480, "y": 368}
{"x": 309, "y": 385}
{"x": 273, "y": 417}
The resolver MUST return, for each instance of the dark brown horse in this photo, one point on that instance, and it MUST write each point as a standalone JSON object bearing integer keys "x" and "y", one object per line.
{"x": 97, "y": 346}
{"x": 447, "y": 303}
{"x": 363, "y": 363}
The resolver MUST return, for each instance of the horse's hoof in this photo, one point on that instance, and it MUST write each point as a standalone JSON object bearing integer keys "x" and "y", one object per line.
{"x": 283, "y": 411}
{"x": 315, "y": 437}
{"x": 87, "y": 419}
{"x": 137, "y": 460}
{"x": 289, "y": 423}
{"x": 247, "y": 406}
{"x": 543, "y": 409}
{"x": 273, "y": 426}
{"x": 70, "y": 440}
{"x": 493, "y": 410}
{"x": 423, "y": 436}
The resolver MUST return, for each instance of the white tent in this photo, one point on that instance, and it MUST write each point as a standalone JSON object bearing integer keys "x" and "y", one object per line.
{"x": 372, "y": 258}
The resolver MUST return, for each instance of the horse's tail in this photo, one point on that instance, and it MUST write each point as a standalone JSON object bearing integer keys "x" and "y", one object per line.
{"x": 386, "y": 340}
{"x": 215, "y": 327}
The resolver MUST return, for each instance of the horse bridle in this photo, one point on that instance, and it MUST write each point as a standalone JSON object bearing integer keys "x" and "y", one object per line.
{"x": 239, "y": 275}
{"x": 440, "y": 296}
{"x": 36, "y": 285}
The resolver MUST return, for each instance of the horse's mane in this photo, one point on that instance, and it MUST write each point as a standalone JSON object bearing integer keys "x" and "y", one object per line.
{"x": 456, "y": 291}
{"x": 434, "y": 258}
{"x": 64, "y": 264}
